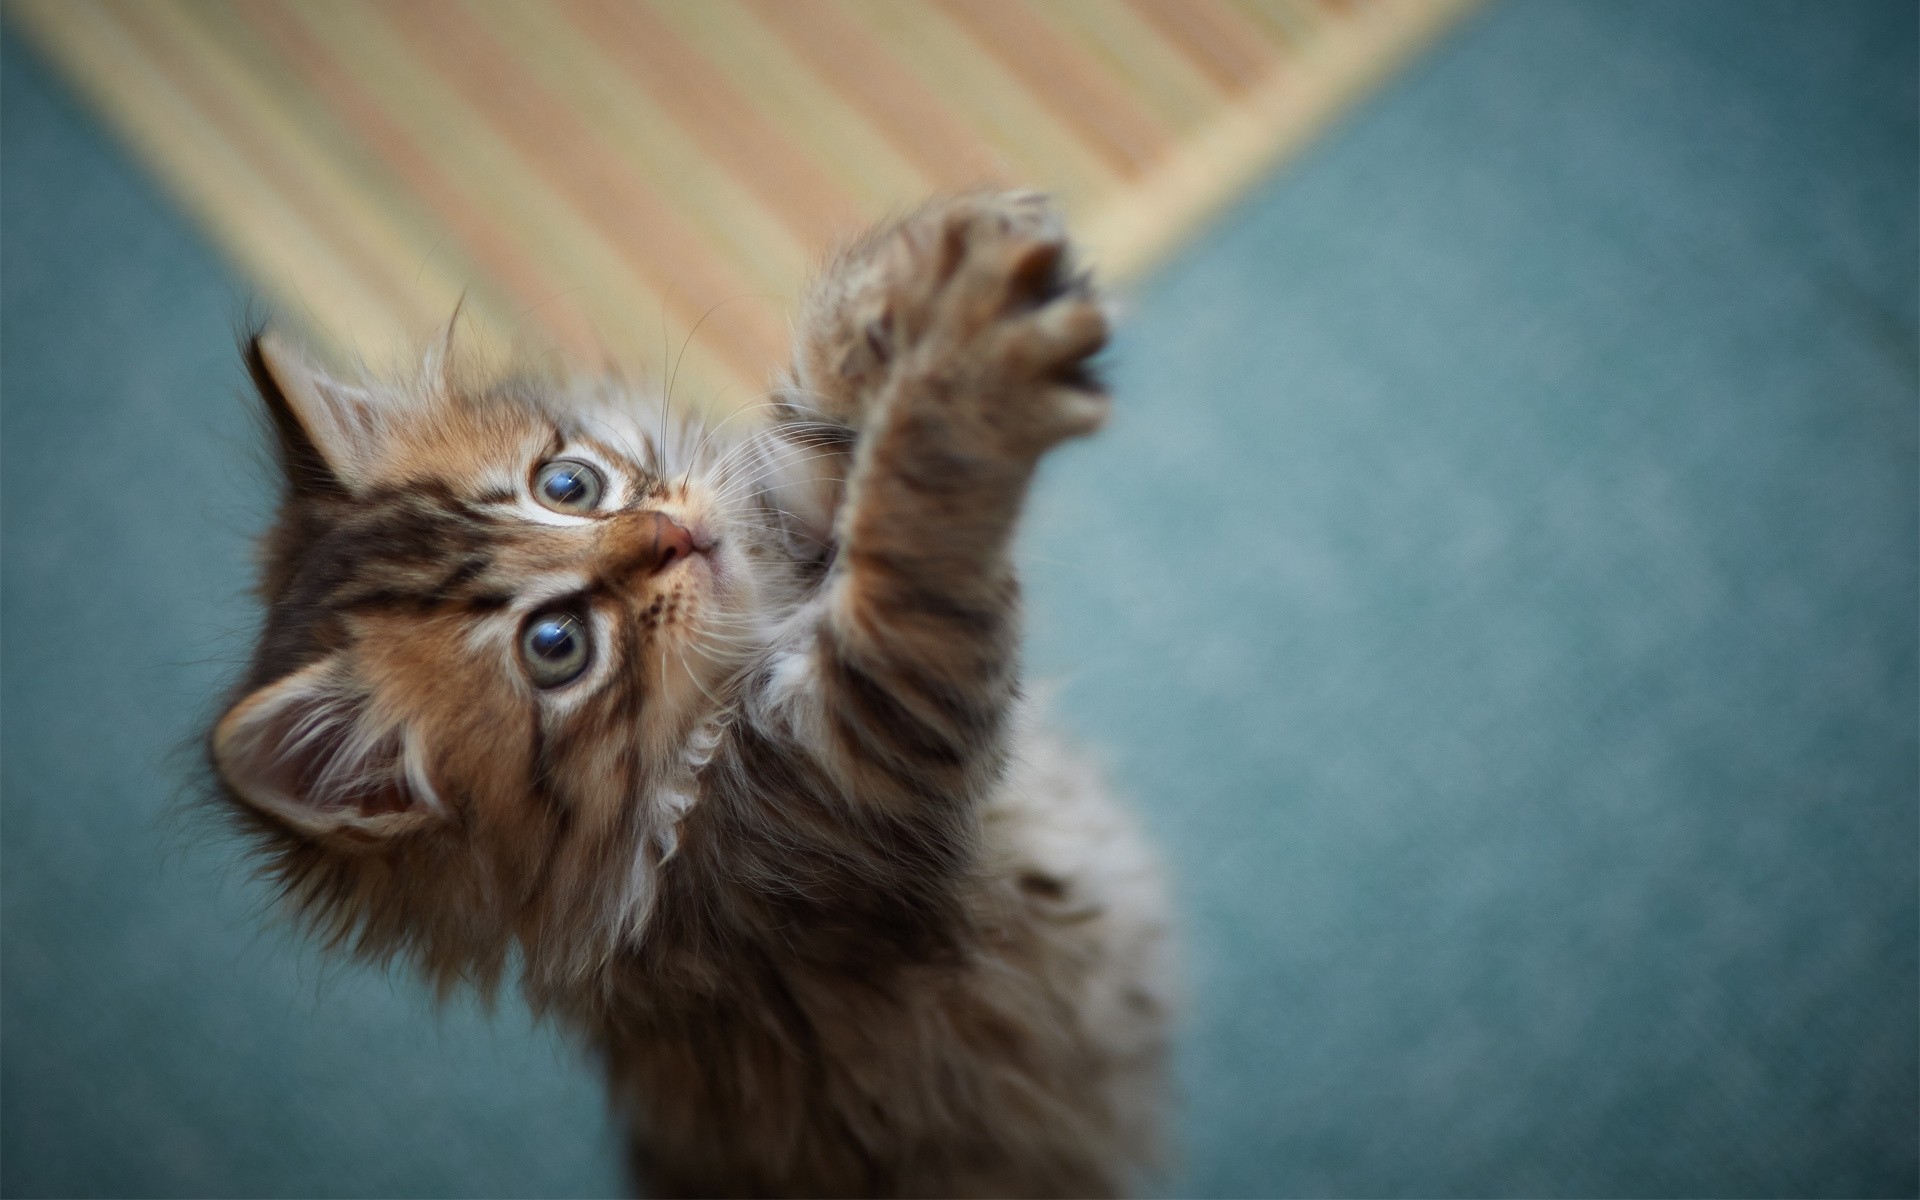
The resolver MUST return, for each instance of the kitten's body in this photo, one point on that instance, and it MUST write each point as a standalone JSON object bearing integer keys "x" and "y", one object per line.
{"x": 780, "y": 846}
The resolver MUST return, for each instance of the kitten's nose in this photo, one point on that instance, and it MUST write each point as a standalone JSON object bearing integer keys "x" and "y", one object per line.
{"x": 649, "y": 542}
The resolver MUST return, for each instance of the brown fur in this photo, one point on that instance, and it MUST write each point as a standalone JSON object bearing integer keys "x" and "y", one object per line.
{"x": 837, "y": 920}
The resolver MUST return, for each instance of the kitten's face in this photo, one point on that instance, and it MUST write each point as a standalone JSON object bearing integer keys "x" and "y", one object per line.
{"x": 492, "y": 623}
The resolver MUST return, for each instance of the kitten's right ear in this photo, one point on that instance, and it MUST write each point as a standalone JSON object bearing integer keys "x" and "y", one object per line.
{"x": 328, "y": 431}
{"x": 312, "y": 751}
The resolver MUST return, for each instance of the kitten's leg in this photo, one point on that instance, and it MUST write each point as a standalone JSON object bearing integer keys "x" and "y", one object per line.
{"x": 956, "y": 345}
{"x": 820, "y": 404}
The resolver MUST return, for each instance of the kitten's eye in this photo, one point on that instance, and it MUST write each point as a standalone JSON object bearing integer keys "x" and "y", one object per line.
{"x": 568, "y": 486}
{"x": 555, "y": 649}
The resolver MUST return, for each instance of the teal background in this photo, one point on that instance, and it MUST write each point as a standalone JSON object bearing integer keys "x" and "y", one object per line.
{"x": 1498, "y": 588}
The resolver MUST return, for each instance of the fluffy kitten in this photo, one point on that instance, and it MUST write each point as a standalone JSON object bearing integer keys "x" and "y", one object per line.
{"x": 717, "y": 733}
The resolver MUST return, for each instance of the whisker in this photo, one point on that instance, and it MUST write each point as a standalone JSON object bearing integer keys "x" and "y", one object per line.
{"x": 674, "y": 375}
{"x": 771, "y": 460}
{"x": 770, "y": 449}
{"x": 746, "y": 407}
{"x": 734, "y": 490}
{"x": 666, "y": 397}
{"x": 684, "y": 670}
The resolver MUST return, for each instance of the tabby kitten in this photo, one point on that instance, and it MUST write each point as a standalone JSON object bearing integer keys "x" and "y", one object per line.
{"x": 717, "y": 732}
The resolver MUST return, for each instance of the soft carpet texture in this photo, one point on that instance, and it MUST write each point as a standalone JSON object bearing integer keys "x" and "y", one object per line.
{"x": 1497, "y": 588}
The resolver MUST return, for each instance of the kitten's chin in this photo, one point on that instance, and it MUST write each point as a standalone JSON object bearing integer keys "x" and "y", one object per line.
{"x": 721, "y": 571}
{"x": 717, "y": 632}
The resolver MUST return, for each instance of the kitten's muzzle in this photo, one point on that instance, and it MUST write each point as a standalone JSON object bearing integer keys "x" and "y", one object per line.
{"x": 647, "y": 543}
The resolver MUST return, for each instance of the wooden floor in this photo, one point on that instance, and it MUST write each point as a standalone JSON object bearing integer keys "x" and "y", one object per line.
{"x": 600, "y": 177}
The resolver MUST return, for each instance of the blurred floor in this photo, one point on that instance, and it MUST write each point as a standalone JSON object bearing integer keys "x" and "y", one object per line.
{"x": 598, "y": 176}
{"x": 1498, "y": 588}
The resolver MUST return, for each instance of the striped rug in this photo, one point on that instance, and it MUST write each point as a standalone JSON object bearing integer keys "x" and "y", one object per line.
{"x": 601, "y": 177}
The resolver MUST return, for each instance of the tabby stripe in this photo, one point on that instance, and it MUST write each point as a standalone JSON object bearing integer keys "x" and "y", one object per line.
{"x": 864, "y": 752}
{"x": 933, "y": 467}
{"x": 540, "y": 782}
{"x": 983, "y": 674}
{"x": 466, "y": 572}
{"x": 627, "y": 683}
{"x": 898, "y": 591}
{"x": 880, "y": 710}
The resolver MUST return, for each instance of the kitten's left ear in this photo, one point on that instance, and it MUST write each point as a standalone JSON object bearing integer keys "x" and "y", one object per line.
{"x": 312, "y": 751}
{"x": 329, "y": 431}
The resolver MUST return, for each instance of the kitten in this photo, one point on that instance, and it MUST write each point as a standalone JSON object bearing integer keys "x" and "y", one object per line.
{"x": 718, "y": 733}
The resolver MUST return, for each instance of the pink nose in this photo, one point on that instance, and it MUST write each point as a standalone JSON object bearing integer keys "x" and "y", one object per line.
{"x": 671, "y": 541}
{"x": 646, "y": 543}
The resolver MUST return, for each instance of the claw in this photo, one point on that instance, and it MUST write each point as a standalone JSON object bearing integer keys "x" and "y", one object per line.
{"x": 1081, "y": 376}
{"x": 1036, "y": 276}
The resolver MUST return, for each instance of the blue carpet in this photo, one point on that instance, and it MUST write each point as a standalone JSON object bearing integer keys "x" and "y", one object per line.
{"x": 1498, "y": 588}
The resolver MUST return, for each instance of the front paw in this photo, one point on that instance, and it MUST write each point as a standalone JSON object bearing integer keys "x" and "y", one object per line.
{"x": 971, "y": 306}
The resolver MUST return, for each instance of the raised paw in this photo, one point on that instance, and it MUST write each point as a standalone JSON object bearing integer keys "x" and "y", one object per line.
{"x": 971, "y": 306}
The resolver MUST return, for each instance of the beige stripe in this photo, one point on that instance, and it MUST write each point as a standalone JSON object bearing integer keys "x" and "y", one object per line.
{"x": 205, "y": 171}
{"x": 863, "y": 68}
{"x": 810, "y": 114}
{"x": 399, "y": 110}
{"x": 1128, "y": 137}
{"x": 683, "y": 84}
{"x": 1135, "y": 229}
{"x": 1291, "y": 24}
{"x": 1220, "y": 41}
{"x": 626, "y": 210}
{"x": 1037, "y": 146}
{"x": 373, "y": 202}
{"x": 1162, "y": 77}
{"x": 623, "y": 316}
{"x": 510, "y": 269}
{"x": 242, "y": 116}
{"x": 745, "y": 232}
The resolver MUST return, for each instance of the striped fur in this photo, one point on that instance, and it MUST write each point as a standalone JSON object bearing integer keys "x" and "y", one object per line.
{"x": 785, "y": 852}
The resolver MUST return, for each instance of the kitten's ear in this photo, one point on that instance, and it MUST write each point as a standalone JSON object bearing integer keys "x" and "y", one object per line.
{"x": 310, "y": 751}
{"x": 329, "y": 431}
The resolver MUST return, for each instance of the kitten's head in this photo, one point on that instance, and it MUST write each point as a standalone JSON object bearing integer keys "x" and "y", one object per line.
{"x": 496, "y": 617}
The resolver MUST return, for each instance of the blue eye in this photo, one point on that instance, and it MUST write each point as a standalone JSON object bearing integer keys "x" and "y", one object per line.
{"x": 554, "y": 647}
{"x": 568, "y": 486}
